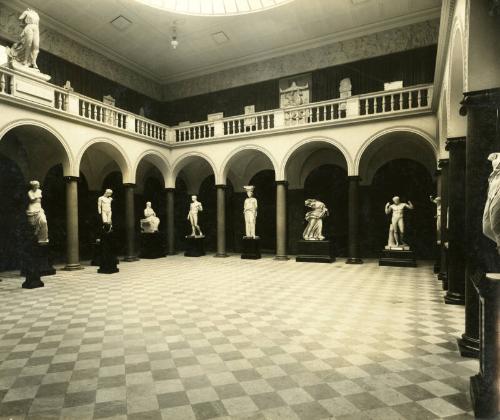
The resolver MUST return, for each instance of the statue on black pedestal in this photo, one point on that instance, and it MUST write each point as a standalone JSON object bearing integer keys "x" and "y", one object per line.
{"x": 397, "y": 226}
{"x": 491, "y": 215}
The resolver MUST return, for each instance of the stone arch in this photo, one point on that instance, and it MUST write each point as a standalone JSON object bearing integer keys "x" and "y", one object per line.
{"x": 246, "y": 156}
{"x": 314, "y": 144}
{"x": 67, "y": 159}
{"x": 196, "y": 167}
{"x": 156, "y": 159}
{"x": 417, "y": 143}
{"x": 111, "y": 150}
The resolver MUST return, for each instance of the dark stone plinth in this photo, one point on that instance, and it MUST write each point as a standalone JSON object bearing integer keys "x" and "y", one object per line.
{"x": 397, "y": 258}
{"x": 315, "y": 251}
{"x": 40, "y": 253}
{"x": 250, "y": 249}
{"x": 96, "y": 253}
{"x": 108, "y": 260}
{"x": 152, "y": 246}
{"x": 485, "y": 386}
{"x": 34, "y": 260}
{"x": 195, "y": 246}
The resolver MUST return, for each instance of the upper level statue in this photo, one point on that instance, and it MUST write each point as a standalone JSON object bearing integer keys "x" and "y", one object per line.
{"x": 491, "y": 215}
{"x": 25, "y": 51}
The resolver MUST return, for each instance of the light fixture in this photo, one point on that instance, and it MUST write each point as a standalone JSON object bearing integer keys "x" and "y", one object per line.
{"x": 174, "y": 42}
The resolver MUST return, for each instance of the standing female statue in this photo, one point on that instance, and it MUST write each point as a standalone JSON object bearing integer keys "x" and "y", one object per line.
{"x": 314, "y": 218}
{"x": 36, "y": 215}
{"x": 491, "y": 215}
{"x": 26, "y": 50}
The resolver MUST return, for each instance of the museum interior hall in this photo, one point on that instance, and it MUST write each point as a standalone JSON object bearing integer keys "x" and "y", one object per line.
{"x": 249, "y": 209}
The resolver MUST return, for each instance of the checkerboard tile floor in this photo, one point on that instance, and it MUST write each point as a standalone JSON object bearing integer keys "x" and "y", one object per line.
{"x": 202, "y": 338}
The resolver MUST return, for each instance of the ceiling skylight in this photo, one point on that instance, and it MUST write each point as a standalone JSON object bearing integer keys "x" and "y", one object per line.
{"x": 214, "y": 7}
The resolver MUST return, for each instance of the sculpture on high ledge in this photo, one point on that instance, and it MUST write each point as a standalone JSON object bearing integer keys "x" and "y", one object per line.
{"x": 150, "y": 222}
{"x": 36, "y": 215}
{"x": 194, "y": 208}
{"x": 397, "y": 226}
{"x": 25, "y": 51}
{"x": 314, "y": 218}
{"x": 104, "y": 209}
{"x": 250, "y": 212}
{"x": 491, "y": 215}
{"x": 437, "y": 202}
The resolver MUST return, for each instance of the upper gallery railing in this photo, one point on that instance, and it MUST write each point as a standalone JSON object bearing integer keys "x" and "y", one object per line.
{"x": 366, "y": 106}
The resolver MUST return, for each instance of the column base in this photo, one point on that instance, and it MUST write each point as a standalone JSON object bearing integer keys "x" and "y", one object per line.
{"x": 72, "y": 267}
{"x": 484, "y": 398}
{"x": 354, "y": 261}
{"x": 453, "y": 298}
{"x": 468, "y": 347}
{"x": 437, "y": 268}
{"x": 131, "y": 258}
{"x": 221, "y": 255}
{"x": 281, "y": 258}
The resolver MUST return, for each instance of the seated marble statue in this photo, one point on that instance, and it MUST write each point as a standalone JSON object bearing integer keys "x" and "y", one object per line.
{"x": 491, "y": 215}
{"x": 35, "y": 213}
{"x": 150, "y": 222}
{"x": 314, "y": 218}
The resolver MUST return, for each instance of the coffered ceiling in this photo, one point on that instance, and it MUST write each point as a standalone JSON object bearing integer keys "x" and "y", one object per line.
{"x": 141, "y": 36}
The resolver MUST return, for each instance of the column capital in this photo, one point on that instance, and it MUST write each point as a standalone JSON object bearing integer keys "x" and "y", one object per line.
{"x": 70, "y": 178}
{"x": 437, "y": 172}
{"x": 283, "y": 182}
{"x": 455, "y": 142}
{"x": 354, "y": 178}
{"x": 129, "y": 185}
{"x": 170, "y": 189}
{"x": 442, "y": 163}
{"x": 221, "y": 186}
{"x": 487, "y": 98}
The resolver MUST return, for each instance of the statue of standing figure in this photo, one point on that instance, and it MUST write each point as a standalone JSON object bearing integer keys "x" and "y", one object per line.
{"x": 437, "y": 202}
{"x": 491, "y": 215}
{"x": 36, "y": 215}
{"x": 397, "y": 226}
{"x": 26, "y": 50}
{"x": 314, "y": 218}
{"x": 250, "y": 212}
{"x": 150, "y": 222}
{"x": 194, "y": 208}
{"x": 104, "y": 209}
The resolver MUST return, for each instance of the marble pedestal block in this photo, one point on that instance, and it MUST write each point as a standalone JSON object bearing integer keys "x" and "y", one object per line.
{"x": 397, "y": 257}
{"x": 316, "y": 251}
{"x": 152, "y": 246}
{"x": 250, "y": 249}
{"x": 485, "y": 386}
{"x": 195, "y": 246}
{"x": 36, "y": 258}
{"x": 108, "y": 260}
{"x": 39, "y": 254}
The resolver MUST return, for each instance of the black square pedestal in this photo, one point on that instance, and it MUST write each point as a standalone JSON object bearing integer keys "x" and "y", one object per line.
{"x": 250, "y": 249}
{"x": 397, "y": 258}
{"x": 315, "y": 251}
{"x": 96, "y": 253}
{"x": 108, "y": 260}
{"x": 38, "y": 254}
{"x": 152, "y": 246}
{"x": 195, "y": 246}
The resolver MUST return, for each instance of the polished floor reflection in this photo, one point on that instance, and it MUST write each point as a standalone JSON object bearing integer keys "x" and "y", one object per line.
{"x": 202, "y": 338}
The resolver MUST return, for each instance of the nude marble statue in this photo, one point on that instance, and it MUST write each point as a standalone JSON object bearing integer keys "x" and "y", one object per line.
{"x": 437, "y": 202}
{"x": 397, "y": 226}
{"x": 26, "y": 50}
{"x": 104, "y": 207}
{"x": 250, "y": 212}
{"x": 194, "y": 208}
{"x": 314, "y": 218}
{"x": 150, "y": 222}
{"x": 491, "y": 214}
{"x": 35, "y": 213}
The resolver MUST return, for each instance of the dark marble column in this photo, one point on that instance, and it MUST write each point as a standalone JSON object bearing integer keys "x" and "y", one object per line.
{"x": 170, "y": 221}
{"x": 281, "y": 227}
{"x": 354, "y": 221}
{"x": 444, "y": 180}
{"x": 483, "y": 138}
{"x": 130, "y": 222}
{"x": 221, "y": 221}
{"x": 456, "y": 239}
{"x": 72, "y": 240}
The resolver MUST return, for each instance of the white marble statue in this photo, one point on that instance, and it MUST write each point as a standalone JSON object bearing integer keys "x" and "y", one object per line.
{"x": 150, "y": 222}
{"x": 104, "y": 207}
{"x": 35, "y": 213}
{"x": 26, "y": 50}
{"x": 491, "y": 215}
{"x": 314, "y": 218}
{"x": 397, "y": 227}
{"x": 194, "y": 208}
{"x": 250, "y": 212}
{"x": 437, "y": 202}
